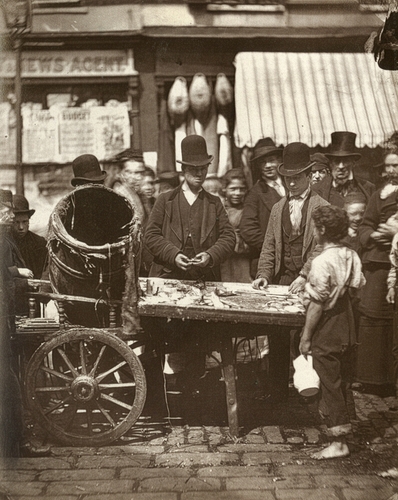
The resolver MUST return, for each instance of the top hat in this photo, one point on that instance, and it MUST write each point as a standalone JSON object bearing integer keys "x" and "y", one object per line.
{"x": 21, "y": 205}
{"x": 343, "y": 144}
{"x": 6, "y": 197}
{"x": 87, "y": 168}
{"x": 265, "y": 147}
{"x": 321, "y": 162}
{"x": 296, "y": 159}
{"x": 194, "y": 152}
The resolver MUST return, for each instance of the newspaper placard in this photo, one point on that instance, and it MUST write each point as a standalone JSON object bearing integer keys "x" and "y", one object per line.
{"x": 8, "y": 143}
{"x": 112, "y": 130}
{"x": 39, "y": 136}
{"x": 76, "y": 133}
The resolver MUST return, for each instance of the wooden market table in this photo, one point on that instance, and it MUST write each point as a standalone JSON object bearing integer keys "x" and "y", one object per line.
{"x": 227, "y": 323}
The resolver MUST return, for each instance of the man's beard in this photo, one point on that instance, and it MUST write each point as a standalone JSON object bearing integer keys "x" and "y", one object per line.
{"x": 341, "y": 182}
{"x": 391, "y": 179}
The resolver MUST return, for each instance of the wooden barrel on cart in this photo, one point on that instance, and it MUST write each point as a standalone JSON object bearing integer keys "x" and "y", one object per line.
{"x": 91, "y": 232}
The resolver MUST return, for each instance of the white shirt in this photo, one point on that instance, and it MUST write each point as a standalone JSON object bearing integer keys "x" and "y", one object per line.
{"x": 296, "y": 204}
{"x": 189, "y": 195}
{"x": 278, "y": 186}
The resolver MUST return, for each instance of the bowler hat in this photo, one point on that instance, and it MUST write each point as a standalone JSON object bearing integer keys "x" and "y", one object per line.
{"x": 265, "y": 147}
{"x": 6, "y": 197}
{"x": 21, "y": 205}
{"x": 343, "y": 144}
{"x": 194, "y": 151}
{"x": 296, "y": 159}
{"x": 321, "y": 162}
{"x": 87, "y": 168}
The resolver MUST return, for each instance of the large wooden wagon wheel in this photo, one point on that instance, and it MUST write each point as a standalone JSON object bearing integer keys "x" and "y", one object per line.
{"x": 86, "y": 387}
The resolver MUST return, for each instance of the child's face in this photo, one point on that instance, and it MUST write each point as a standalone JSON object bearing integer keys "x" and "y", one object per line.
{"x": 235, "y": 192}
{"x": 148, "y": 186}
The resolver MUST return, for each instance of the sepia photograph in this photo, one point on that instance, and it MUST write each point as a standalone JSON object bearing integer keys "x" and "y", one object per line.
{"x": 199, "y": 249}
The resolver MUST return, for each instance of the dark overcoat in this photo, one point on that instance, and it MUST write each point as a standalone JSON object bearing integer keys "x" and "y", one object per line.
{"x": 164, "y": 233}
{"x": 324, "y": 189}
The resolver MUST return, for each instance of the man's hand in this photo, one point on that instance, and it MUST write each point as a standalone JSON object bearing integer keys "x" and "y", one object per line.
{"x": 297, "y": 285}
{"x": 260, "y": 283}
{"x": 25, "y": 273}
{"x": 182, "y": 262}
{"x": 305, "y": 347}
{"x": 391, "y": 296}
{"x": 202, "y": 259}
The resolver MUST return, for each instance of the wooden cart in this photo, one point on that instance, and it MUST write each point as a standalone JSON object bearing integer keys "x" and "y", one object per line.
{"x": 87, "y": 387}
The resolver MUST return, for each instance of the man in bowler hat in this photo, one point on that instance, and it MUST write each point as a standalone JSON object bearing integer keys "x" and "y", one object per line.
{"x": 188, "y": 231}
{"x": 189, "y": 235}
{"x": 32, "y": 246}
{"x": 262, "y": 197}
{"x": 288, "y": 242}
{"x": 342, "y": 158}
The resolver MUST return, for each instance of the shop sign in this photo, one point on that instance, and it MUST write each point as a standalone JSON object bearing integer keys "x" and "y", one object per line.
{"x": 66, "y": 64}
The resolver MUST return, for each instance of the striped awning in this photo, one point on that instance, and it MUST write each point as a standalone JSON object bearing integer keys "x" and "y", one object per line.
{"x": 307, "y": 96}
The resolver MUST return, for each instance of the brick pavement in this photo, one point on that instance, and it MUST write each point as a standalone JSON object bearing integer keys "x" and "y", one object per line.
{"x": 269, "y": 462}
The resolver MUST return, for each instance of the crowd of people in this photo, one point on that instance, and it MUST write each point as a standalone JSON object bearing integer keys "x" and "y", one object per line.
{"x": 309, "y": 222}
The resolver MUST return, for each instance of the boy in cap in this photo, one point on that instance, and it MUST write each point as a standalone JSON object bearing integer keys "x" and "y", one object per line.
{"x": 288, "y": 242}
{"x": 320, "y": 169}
{"x": 32, "y": 246}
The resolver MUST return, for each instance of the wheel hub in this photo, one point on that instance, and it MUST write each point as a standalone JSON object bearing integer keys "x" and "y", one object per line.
{"x": 84, "y": 388}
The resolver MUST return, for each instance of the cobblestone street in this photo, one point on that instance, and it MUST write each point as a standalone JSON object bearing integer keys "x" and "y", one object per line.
{"x": 190, "y": 462}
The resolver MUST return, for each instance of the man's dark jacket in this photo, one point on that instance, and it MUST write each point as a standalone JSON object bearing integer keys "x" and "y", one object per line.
{"x": 34, "y": 252}
{"x": 325, "y": 189}
{"x": 164, "y": 233}
{"x": 255, "y": 216}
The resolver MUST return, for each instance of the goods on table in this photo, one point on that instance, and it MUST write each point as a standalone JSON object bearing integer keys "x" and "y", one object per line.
{"x": 241, "y": 296}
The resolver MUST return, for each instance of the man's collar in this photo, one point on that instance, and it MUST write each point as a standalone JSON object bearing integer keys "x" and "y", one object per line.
{"x": 303, "y": 195}
{"x": 185, "y": 188}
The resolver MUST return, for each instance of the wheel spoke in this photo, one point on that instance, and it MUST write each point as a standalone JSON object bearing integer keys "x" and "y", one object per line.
{"x": 83, "y": 358}
{"x": 94, "y": 369}
{"x": 56, "y": 374}
{"x": 52, "y": 389}
{"x": 116, "y": 401}
{"x": 111, "y": 370}
{"x": 67, "y": 361}
{"x": 106, "y": 415}
{"x": 116, "y": 386}
{"x": 56, "y": 406}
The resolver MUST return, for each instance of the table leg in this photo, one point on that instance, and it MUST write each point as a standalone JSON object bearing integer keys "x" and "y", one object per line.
{"x": 229, "y": 375}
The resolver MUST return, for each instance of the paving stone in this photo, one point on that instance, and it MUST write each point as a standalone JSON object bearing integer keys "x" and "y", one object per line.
{"x": 139, "y": 473}
{"x": 59, "y": 497}
{"x": 302, "y": 470}
{"x": 293, "y": 494}
{"x": 312, "y": 435}
{"x": 87, "y": 462}
{"x": 190, "y": 459}
{"x": 17, "y": 475}
{"x": 255, "y": 439}
{"x": 90, "y": 487}
{"x": 273, "y": 434}
{"x": 15, "y": 489}
{"x": 180, "y": 484}
{"x": 256, "y": 458}
{"x": 228, "y": 495}
{"x": 234, "y": 471}
{"x": 386, "y": 493}
{"x": 189, "y": 448}
{"x": 253, "y": 448}
{"x": 389, "y": 433}
{"x": 342, "y": 481}
{"x": 141, "y": 449}
{"x": 195, "y": 435}
{"x": 77, "y": 475}
{"x": 154, "y": 495}
{"x": 268, "y": 483}
{"x": 37, "y": 463}
{"x": 295, "y": 440}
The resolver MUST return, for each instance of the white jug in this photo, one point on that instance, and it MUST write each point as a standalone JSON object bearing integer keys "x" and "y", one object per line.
{"x": 305, "y": 378}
